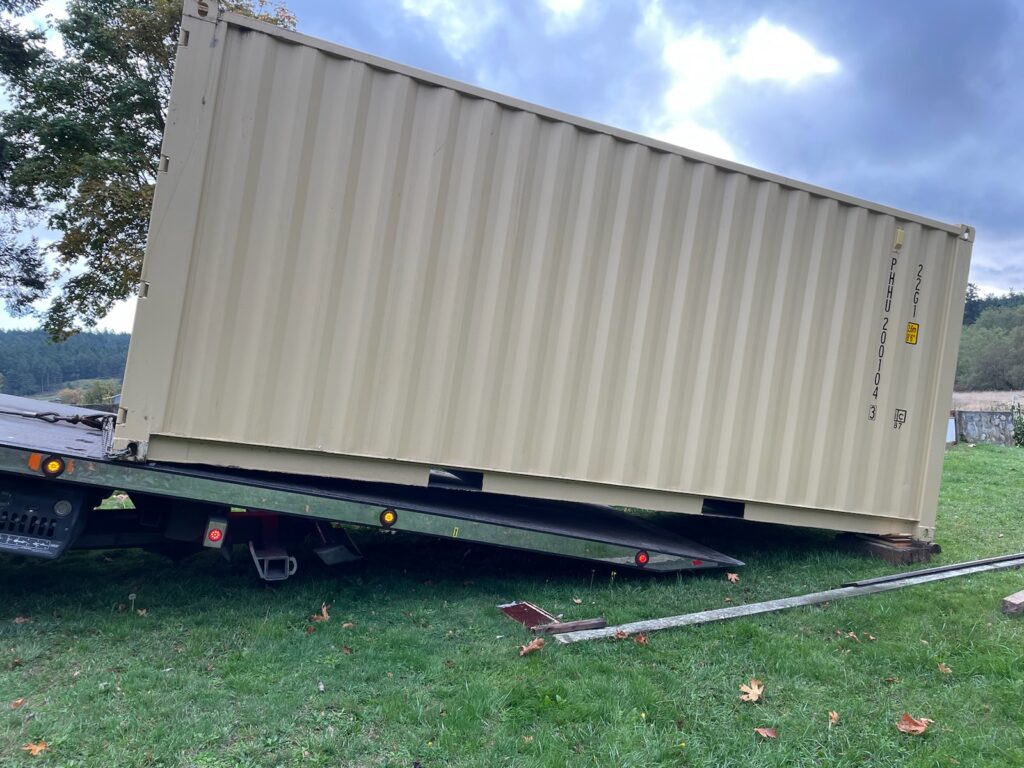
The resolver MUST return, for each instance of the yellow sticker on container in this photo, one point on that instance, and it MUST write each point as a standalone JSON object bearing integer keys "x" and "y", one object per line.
{"x": 912, "y": 329}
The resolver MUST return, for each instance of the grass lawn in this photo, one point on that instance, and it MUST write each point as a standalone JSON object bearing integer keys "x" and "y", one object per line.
{"x": 221, "y": 671}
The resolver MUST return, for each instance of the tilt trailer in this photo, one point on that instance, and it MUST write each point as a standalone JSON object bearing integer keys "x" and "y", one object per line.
{"x": 55, "y": 469}
{"x": 368, "y": 288}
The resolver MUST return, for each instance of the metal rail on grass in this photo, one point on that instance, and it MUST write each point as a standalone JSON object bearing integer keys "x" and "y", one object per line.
{"x": 897, "y": 581}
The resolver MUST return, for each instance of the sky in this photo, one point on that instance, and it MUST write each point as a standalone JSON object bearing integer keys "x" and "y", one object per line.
{"x": 916, "y": 105}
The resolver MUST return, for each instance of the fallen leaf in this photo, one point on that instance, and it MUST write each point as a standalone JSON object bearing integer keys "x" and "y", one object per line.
{"x": 944, "y": 669}
{"x": 143, "y": 612}
{"x": 833, "y": 718}
{"x": 753, "y": 691}
{"x": 346, "y": 650}
{"x": 853, "y": 636}
{"x": 449, "y": 663}
{"x": 22, "y": 620}
{"x": 320, "y": 686}
{"x": 891, "y": 680}
{"x": 577, "y": 601}
{"x": 323, "y": 615}
{"x": 767, "y": 733}
{"x": 620, "y": 635}
{"x": 640, "y": 639}
{"x": 310, "y": 629}
{"x": 732, "y": 578}
{"x": 534, "y": 645}
{"x": 36, "y": 749}
{"x": 913, "y": 725}
{"x": 527, "y": 739}
{"x": 18, "y": 703}
{"x": 869, "y": 636}
{"x": 348, "y": 625}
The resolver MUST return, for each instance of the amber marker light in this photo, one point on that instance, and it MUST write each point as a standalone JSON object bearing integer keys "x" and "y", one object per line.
{"x": 388, "y": 517}
{"x": 53, "y": 466}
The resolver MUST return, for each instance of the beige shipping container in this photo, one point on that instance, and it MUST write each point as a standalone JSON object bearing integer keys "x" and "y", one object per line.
{"x": 361, "y": 270}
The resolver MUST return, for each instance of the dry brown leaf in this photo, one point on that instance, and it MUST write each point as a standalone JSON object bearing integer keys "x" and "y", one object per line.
{"x": 891, "y": 680}
{"x": 620, "y": 635}
{"x": 869, "y": 636}
{"x": 36, "y": 748}
{"x": 640, "y": 639}
{"x": 527, "y": 739}
{"x": 853, "y": 636}
{"x": 534, "y": 645}
{"x": 833, "y": 718}
{"x": 753, "y": 691}
{"x": 346, "y": 650}
{"x": 449, "y": 663}
{"x": 22, "y": 619}
{"x": 577, "y": 601}
{"x": 348, "y": 625}
{"x": 732, "y": 578}
{"x": 310, "y": 629}
{"x": 913, "y": 725}
{"x": 944, "y": 669}
{"x": 767, "y": 733}
{"x": 323, "y": 615}
{"x": 143, "y": 612}
{"x": 320, "y": 686}
{"x": 18, "y": 703}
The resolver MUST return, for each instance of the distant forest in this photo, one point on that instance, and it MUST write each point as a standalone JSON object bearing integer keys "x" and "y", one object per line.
{"x": 992, "y": 343}
{"x": 31, "y": 365}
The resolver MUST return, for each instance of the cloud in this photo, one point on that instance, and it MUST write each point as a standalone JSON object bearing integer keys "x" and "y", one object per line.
{"x": 460, "y": 26}
{"x": 563, "y": 7}
{"x": 703, "y": 68}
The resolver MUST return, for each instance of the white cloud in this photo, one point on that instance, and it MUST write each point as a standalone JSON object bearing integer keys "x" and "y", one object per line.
{"x": 701, "y": 68}
{"x": 459, "y": 25}
{"x": 563, "y": 8}
{"x": 773, "y": 52}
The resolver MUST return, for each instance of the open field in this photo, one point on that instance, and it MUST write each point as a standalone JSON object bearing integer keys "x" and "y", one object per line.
{"x": 222, "y": 671}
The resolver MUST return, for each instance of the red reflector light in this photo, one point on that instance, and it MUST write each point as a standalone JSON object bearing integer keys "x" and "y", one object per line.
{"x": 215, "y": 534}
{"x": 697, "y": 562}
{"x": 642, "y": 558}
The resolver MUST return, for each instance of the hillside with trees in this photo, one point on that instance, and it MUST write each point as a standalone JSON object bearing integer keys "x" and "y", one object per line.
{"x": 992, "y": 343}
{"x": 31, "y": 364}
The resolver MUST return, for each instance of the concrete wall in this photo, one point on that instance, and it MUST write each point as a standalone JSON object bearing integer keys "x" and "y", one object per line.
{"x": 985, "y": 427}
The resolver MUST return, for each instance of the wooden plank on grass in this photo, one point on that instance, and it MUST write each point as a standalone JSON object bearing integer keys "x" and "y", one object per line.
{"x": 1014, "y": 603}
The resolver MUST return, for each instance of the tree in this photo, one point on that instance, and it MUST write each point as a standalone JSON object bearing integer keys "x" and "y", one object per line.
{"x": 80, "y": 148}
{"x": 3, "y": 381}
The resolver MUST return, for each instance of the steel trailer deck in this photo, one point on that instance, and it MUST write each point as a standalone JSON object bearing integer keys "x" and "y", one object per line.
{"x": 586, "y": 531}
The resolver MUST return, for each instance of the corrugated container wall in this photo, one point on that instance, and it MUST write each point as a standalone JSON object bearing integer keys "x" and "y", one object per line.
{"x": 362, "y": 270}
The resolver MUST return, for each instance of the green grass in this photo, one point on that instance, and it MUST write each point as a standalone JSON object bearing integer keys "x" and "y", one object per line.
{"x": 222, "y": 672}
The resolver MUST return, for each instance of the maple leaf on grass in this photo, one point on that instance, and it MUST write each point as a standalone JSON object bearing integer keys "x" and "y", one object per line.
{"x": 833, "y": 718}
{"x": 620, "y": 635}
{"x": 323, "y": 615}
{"x": 22, "y": 619}
{"x": 18, "y": 703}
{"x": 640, "y": 639}
{"x": 348, "y": 625}
{"x": 577, "y": 601}
{"x": 915, "y": 726}
{"x": 732, "y": 578}
{"x": 531, "y": 647}
{"x": 767, "y": 733}
{"x": 36, "y": 748}
{"x": 944, "y": 669}
{"x": 753, "y": 691}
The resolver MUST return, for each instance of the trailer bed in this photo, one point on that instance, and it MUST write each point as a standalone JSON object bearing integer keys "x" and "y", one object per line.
{"x": 587, "y": 531}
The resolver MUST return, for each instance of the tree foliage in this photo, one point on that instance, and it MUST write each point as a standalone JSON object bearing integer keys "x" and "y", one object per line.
{"x": 30, "y": 364}
{"x": 992, "y": 351}
{"x": 80, "y": 148}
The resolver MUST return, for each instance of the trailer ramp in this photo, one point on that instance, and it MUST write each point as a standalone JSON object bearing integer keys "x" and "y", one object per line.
{"x": 585, "y": 531}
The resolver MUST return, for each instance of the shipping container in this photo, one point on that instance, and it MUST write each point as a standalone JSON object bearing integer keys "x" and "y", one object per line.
{"x": 356, "y": 269}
